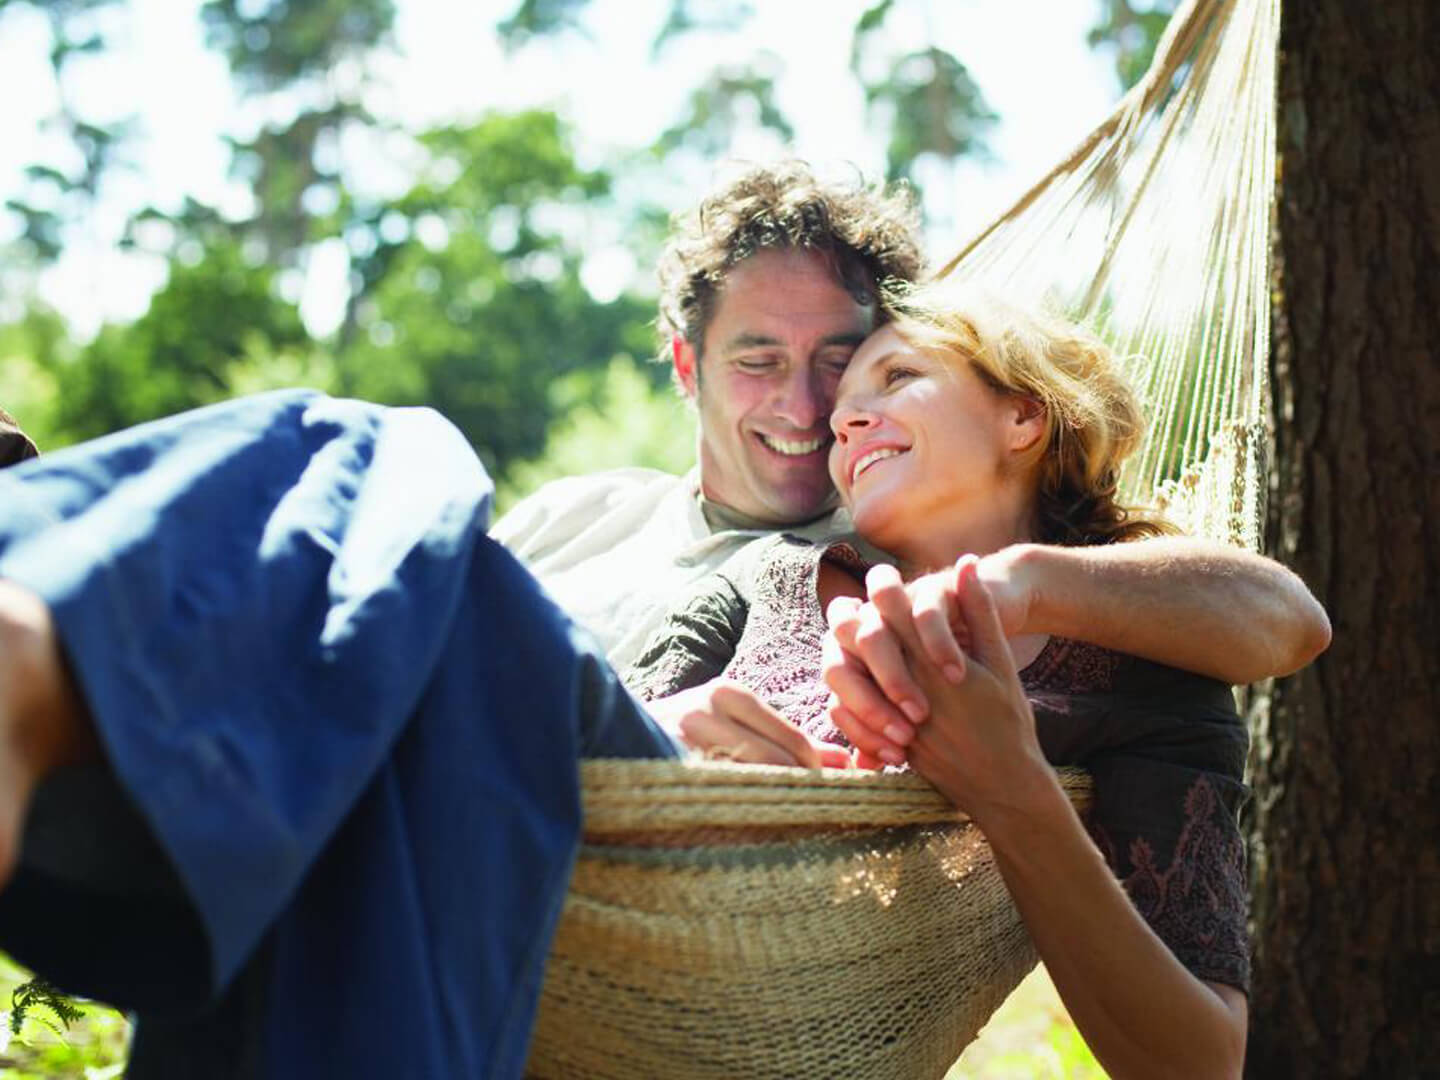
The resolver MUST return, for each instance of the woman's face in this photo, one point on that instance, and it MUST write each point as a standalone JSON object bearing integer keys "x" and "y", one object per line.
{"x": 926, "y": 453}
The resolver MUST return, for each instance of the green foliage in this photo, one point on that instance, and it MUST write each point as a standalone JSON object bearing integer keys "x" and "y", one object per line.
{"x": 732, "y": 98}
{"x": 54, "y": 196}
{"x": 534, "y": 19}
{"x": 279, "y": 47}
{"x": 38, "y": 993}
{"x": 1131, "y": 31}
{"x": 1030, "y": 1037}
{"x": 934, "y": 106}
{"x": 88, "y": 1043}
{"x": 282, "y": 168}
{"x": 476, "y": 306}
{"x": 618, "y": 416}
{"x": 539, "y": 18}
{"x": 33, "y": 351}
{"x": 690, "y": 15}
{"x": 212, "y": 321}
{"x": 869, "y": 23}
{"x": 286, "y": 41}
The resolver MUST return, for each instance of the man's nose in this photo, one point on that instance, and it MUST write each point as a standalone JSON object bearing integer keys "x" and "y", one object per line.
{"x": 803, "y": 399}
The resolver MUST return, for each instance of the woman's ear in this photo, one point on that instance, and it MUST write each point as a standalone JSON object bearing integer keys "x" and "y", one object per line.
{"x": 682, "y": 355}
{"x": 1027, "y": 425}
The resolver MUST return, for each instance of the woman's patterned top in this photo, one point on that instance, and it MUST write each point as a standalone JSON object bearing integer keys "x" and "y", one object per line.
{"x": 1166, "y": 748}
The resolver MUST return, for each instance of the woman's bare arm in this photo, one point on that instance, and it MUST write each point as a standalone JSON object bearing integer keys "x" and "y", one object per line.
{"x": 1140, "y": 1010}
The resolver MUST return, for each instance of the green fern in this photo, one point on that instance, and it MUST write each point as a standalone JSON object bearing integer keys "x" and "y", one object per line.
{"x": 38, "y": 993}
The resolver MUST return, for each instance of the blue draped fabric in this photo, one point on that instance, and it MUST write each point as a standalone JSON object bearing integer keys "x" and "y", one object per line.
{"x": 351, "y": 721}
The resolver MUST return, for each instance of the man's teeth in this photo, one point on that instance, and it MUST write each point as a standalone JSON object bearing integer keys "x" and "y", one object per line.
{"x": 794, "y": 449}
{"x": 874, "y": 456}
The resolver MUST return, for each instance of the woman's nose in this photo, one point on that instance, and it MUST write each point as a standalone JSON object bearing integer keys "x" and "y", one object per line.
{"x": 849, "y": 417}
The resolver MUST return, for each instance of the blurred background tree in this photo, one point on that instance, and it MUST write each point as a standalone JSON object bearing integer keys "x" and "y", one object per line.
{"x": 469, "y": 279}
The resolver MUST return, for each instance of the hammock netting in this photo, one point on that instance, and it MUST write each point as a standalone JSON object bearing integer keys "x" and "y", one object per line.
{"x": 728, "y": 920}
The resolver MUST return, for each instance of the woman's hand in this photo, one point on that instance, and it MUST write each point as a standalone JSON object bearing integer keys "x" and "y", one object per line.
{"x": 868, "y": 656}
{"x": 975, "y": 739}
{"x": 724, "y": 719}
{"x": 978, "y": 744}
{"x": 1140, "y": 1011}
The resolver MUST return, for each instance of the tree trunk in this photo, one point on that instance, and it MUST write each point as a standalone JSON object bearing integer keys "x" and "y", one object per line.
{"x": 1346, "y": 873}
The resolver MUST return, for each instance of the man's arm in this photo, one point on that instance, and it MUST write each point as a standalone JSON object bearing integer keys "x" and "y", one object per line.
{"x": 1193, "y": 604}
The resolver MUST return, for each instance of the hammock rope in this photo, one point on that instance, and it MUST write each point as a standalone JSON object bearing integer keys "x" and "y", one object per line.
{"x": 1162, "y": 215}
{"x": 728, "y": 920}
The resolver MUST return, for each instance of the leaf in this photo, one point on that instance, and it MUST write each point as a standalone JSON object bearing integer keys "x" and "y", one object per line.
{"x": 686, "y": 16}
{"x": 870, "y": 21}
{"x": 1131, "y": 32}
{"x": 934, "y": 107}
{"x": 539, "y": 18}
{"x": 718, "y": 108}
{"x": 40, "y": 994}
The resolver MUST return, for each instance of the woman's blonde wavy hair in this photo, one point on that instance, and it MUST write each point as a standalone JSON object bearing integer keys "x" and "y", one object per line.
{"x": 1093, "y": 420}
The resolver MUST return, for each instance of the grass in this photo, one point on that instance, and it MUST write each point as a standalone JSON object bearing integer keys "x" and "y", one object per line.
{"x": 1030, "y": 1037}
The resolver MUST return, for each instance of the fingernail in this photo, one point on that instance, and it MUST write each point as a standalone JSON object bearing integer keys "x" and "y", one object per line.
{"x": 891, "y": 756}
{"x": 913, "y": 711}
{"x": 954, "y": 674}
{"x": 899, "y": 733}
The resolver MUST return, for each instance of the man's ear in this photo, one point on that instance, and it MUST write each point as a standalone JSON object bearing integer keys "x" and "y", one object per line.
{"x": 682, "y": 355}
{"x": 1028, "y": 423}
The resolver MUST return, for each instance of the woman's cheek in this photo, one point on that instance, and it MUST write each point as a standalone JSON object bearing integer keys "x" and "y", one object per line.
{"x": 836, "y": 456}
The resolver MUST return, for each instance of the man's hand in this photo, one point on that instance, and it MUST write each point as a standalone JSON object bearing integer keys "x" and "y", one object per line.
{"x": 723, "y": 718}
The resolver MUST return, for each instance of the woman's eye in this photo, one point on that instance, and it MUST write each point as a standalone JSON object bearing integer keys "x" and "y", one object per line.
{"x": 897, "y": 374}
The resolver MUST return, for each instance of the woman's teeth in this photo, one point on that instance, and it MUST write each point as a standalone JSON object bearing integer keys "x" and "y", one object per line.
{"x": 874, "y": 456}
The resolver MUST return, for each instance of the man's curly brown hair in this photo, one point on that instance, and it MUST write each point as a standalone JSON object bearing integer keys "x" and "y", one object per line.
{"x": 869, "y": 233}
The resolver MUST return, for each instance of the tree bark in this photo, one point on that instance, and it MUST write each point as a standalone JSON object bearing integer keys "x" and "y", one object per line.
{"x": 1347, "y": 815}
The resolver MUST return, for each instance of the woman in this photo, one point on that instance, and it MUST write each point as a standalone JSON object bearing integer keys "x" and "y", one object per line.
{"x": 963, "y": 428}
{"x": 290, "y": 678}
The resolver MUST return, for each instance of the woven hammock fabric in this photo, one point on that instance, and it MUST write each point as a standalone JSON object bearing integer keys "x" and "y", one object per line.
{"x": 711, "y": 930}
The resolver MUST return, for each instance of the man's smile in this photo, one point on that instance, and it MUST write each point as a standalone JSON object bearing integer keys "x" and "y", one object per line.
{"x": 793, "y": 447}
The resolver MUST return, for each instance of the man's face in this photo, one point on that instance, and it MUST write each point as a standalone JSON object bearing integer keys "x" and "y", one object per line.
{"x": 783, "y": 331}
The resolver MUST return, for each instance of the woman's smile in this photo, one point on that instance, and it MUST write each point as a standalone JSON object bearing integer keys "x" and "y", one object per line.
{"x": 925, "y": 453}
{"x": 870, "y": 457}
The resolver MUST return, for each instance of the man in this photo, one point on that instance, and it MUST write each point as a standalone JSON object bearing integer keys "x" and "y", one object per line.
{"x": 767, "y": 287}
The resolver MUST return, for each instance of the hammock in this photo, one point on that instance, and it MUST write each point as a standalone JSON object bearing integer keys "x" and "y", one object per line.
{"x": 727, "y": 920}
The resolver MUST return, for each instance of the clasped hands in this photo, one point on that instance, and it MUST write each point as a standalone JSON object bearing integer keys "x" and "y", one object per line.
{"x": 920, "y": 673}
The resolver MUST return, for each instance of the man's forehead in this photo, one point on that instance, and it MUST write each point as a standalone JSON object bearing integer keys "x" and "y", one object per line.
{"x": 774, "y": 297}
{"x": 748, "y": 339}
